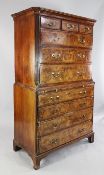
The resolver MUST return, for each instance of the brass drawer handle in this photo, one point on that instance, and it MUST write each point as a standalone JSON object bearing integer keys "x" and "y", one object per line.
{"x": 82, "y": 40}
{"x": 56, "y": 56}
{"x": 56, "y": 90}
{"x": 83, "y": 116}
{"x": 79, "y": 73}
{"x": 67, "y": 93}
{"x": 87, "y": 28}
{"x": 51, "y": 98}
{"x": 50, "y": 24}
{"x": 80, "y": 55}
{"x": 57, "y": 98}
{"x": 44, "y": 91}
{"x": 56, "y": 74}
{"x": 53, "y": 73}
{"x": 56, "y": 39}
{"x": 70, "y": 26}
{"x": 83, "y": 92}
{"x": 55, "y": 125}
{"x": 54, "y": 141}
{"x": 83, "y": 55}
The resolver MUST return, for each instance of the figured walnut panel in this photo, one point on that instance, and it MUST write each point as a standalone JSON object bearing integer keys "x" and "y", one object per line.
{"x": 69, "y": 26}
{"x": 51, "y": 111}
{"x": 54, "y": 140}
{"x": 64, "y": 55}
{"x": 58, "y": 95}
{"x": 64, "y": 73}
{"x": 66, "y": 39}
{"x": 51, "y": 23}
{"x": 85, "y": 29}
{"x": 64, "y": 121}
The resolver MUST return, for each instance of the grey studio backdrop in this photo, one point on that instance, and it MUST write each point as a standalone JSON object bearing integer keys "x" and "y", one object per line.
{"x": 88, "y": 8}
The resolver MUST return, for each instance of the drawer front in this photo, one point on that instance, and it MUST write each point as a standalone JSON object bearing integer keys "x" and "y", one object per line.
{"x": 64, "y": 73}
{"x": 63, "y": 55}
{"x": 50, "y": 23}
{"x": 64, "y": 121}
{"x": 69, "y": 26}
{"x": 46, "y": 97}
{"x": 85, "y": 29}
{"x": 56, "y": 110}
{"x": 66, "y": 39}
{"x": 54, "y": 140}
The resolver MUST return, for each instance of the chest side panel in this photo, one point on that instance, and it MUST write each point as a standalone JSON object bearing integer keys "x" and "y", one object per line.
{"x": 25, "y": 49}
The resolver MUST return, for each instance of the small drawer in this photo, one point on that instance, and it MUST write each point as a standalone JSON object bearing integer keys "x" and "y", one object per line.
{"x": 51, "y": 23}
{"x": 51, "y": 111}
{"x": 66, "y": 39}
{"x": 54, "y": 140}
{"x": 63, "y": 55}
{"x": 49, "y": 96}
{"x": 85, "y": 29}
{"x": 64, "y": 121}
{"x": 64, "y": 73}
{"x": 69, "y": 26}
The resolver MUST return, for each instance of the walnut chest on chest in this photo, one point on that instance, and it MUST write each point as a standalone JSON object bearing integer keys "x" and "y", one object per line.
{"x": 53, "y": 90}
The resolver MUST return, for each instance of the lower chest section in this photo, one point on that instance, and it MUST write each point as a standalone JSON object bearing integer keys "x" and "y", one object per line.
{"x": 65, "y": 113}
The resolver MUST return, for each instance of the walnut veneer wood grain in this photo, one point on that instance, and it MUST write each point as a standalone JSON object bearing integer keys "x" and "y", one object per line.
{"x": 53, "y": 89}
{"x": 64, "y": 73}
{"x": 64, "y": 121}
{"x": 51, "y": 111}
{"x": 64, "y": 55}
{"x": 59, "y": 138}
{"x": 58, "y": 95}
{"x": 66, "y": 38}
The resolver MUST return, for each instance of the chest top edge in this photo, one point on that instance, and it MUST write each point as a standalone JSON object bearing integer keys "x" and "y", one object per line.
{"x": 53, "y": 13}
